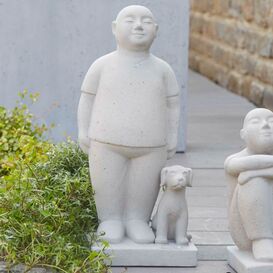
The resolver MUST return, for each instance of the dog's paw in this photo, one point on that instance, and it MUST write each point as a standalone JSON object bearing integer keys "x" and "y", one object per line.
{"x": 182, "y": 241}
{"x": 161, "y": 240}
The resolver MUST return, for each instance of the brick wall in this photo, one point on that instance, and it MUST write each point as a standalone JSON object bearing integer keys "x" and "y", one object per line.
{"x": 231, "y": 43}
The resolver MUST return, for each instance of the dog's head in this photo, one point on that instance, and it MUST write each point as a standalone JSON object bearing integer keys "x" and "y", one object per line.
{"x": 176, "y": 177}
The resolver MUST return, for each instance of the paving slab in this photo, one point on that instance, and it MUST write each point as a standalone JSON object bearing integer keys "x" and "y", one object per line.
{"x": 128, "y": 253}
{"x": 203, "y": 267}
{"x": 244, "y": 262}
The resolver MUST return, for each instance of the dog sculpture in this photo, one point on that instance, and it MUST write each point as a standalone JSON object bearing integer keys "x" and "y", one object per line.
{"x": 170, "y": 220}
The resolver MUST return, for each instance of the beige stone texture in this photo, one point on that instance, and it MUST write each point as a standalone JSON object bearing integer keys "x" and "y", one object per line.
{"x": 245, "y": 87}
{"x": 256, "y": 92}
{"x": 235, "y": 82}
{"x": 268, "y": 97}
{"x": 231, "y": 43}
{"x": 248, "y": 10}
{"x": 263, "y": 9}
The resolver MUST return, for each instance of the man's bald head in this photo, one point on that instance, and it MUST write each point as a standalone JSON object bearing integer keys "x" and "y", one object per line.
{"x": 257, "y": 131}
{"x": 135, "y": 28}
{"x": 131, "y": 10}
{"x": 256, "y": 113}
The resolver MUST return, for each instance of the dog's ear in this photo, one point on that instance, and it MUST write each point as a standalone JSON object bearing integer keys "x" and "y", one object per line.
{"x": 189, "y": 178}
{"x": 163, "y": 177}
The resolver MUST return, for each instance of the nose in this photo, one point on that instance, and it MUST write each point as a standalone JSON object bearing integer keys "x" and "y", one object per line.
{"x": 180, "y": 178}
{"x": 265, "y": 124}
{"x": 138, "y": 25}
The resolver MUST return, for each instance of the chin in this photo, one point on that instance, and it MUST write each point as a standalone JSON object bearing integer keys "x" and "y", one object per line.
{"x": 264, "y": 146}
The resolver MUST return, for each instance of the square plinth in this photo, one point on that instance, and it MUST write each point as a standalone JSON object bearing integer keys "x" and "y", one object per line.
{"x": 128, "y": 253}
{"x": 244, "y": 262}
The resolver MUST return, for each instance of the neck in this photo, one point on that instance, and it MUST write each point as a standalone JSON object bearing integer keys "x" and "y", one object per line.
{"x": 123, "y": 52}
{"x": 252, "y": 151}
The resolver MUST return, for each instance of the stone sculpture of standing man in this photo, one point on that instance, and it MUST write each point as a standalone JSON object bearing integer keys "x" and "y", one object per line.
{"x": 128, "y": 122}
{"x": 250, "y": 175}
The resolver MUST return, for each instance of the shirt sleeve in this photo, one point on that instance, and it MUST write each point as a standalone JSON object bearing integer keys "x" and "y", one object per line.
{"x": 91, "y": 79}
{"x": 171, "y": 83}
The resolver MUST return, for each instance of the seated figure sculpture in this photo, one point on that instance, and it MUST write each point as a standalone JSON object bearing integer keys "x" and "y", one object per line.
{"x": 250, "y": 176}
{"x": 128, "y": 118}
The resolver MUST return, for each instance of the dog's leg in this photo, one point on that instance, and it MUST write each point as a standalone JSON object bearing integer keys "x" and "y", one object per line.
{"x": 181, "y": 237}
{"x": 162, "y": 228}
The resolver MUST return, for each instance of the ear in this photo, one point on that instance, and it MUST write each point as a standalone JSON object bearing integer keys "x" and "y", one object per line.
{"x": 114, "y": 26}
{"x": 242, "y": 134}
{"x": 189, "y": 178}
{"x": 156, "y": 29}
{"x": 163, "y": 176}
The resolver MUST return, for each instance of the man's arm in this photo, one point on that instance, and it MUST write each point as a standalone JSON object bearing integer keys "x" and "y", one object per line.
{"x": 88, "y": 95}
{"x": 173, "y": 110}
{"x": 235, "y": 164}
{"x": 84, "y": 117}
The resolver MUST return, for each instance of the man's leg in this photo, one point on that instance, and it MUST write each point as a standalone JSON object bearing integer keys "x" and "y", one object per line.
{"x": 236, "y": 227}
{"x": 143, "y": 187}
{"x": 255, "y": 207}
{"x": 108, "y": 170}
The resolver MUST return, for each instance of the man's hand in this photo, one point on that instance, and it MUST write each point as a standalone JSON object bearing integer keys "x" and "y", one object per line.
{"x": 244, "y": 177}
{"x": 171, "y": 153}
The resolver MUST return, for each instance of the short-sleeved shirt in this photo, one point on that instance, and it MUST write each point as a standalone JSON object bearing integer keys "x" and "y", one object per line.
{"x": 130, "y": 107}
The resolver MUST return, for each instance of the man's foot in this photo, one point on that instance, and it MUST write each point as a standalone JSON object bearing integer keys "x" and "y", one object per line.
{"x": 263, "y": 250}
{"x": 140, "y": 232}
{"x": 112, "y": 231}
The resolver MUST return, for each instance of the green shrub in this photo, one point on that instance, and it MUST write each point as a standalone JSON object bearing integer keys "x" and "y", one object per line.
{"x": 47, "y": 207}
{"x": 18, "y": 134}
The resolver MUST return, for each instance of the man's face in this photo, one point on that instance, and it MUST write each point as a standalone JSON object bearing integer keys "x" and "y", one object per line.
{"x": 135, "y": 28}
{"x": 258, "y": 131}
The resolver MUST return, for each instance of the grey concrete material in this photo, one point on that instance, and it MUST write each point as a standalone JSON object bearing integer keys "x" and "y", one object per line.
{"x": 208, "y": 224}
{"x": 206, "y": 212}
{"x": 194, "y": 157}
{"x": 211, "y": 201}
{"x": 211, "y": 238}
{"x": 203, "y": 267}
{"x": 214, "y": 116}
{"x": 207, "y": 191}
{"x": 212, "y": 253}
{"x": 129, "y": 253}
{"x": 244, "y": 262}
{"x": 49, "y": 45}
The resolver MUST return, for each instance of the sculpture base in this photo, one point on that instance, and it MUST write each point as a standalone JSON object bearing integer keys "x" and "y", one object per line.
{"x": 128, "y": 253}
{"x": 244, "y": 262}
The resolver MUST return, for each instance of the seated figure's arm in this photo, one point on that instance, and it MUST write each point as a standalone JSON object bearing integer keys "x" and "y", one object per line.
{"x": 89, "y": 90}
{"x": 173, "y": 110}
{"x": 235, "y": 164}
{"x": 246, "y": 176}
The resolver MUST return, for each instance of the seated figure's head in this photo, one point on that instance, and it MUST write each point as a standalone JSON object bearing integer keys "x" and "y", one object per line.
{"x": 135, "y": 28}
{"x": 257, "y": 131}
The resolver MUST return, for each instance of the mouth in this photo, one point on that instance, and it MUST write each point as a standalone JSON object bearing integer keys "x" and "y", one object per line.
{"x": 138, "y": 34}
{"x": 266, "y": 134}
{"x": 177, "y": 187}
